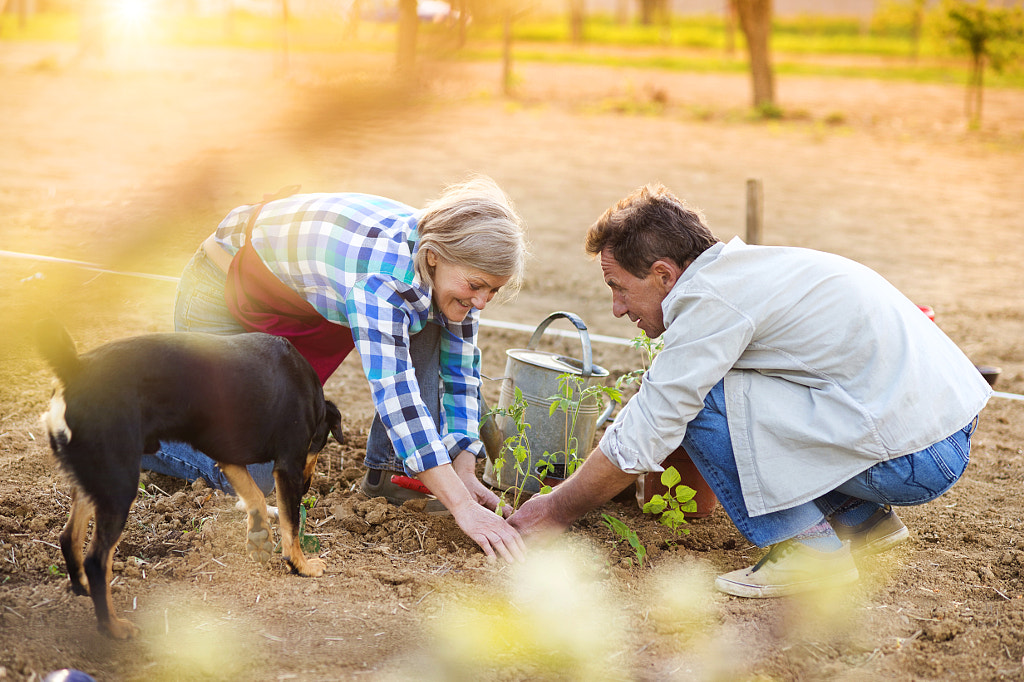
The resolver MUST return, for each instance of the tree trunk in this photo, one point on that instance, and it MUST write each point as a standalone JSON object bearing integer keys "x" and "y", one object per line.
{"x": 975, "y": 83}
{"x": 756, "y": 23}
{"x": 506, "y": 52}
{"x": 463, "y": 6}
{"x": 577, "y": 10}
{"x": 730, "y": 27}
{"x": 407, "y": 25}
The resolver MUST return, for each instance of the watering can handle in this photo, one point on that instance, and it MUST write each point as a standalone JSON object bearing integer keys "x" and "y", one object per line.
{"x": 588, "y": 359}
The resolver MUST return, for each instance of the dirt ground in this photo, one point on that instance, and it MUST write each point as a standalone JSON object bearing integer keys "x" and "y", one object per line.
{"x": 131, "y": 161}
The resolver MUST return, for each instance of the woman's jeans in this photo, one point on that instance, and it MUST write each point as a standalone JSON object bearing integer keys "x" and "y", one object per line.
{"x": 911, "y": 479}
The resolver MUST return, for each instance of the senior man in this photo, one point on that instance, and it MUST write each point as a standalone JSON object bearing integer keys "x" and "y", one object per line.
{"x": 811, "y": 394}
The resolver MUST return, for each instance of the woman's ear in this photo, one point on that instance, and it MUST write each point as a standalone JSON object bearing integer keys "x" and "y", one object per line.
{"x": 431, "y": 258}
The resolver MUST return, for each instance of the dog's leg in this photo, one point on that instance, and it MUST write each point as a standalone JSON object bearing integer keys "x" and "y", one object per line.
{"x": 106, "y": 534}
{"x": 259, "y": 543}
{"x": 289, "y": 497}
{"x": 72, "y": 540}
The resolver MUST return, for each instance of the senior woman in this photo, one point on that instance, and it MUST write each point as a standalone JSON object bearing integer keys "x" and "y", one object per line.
{"x": 333, "y": 272}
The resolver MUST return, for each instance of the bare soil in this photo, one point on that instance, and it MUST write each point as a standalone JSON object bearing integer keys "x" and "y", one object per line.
{"x": 131, "y": 161}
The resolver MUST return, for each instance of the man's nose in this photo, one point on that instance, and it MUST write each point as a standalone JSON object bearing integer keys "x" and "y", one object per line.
{"x": 618, "y": 307}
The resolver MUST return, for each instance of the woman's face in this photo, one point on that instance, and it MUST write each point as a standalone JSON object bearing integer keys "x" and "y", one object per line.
{"x": 459, "y": 288}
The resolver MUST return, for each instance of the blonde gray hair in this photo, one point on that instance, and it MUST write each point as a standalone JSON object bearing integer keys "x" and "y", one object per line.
{"x": 474, "y": 224}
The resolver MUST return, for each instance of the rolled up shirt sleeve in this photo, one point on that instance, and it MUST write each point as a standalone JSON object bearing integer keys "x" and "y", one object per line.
{"x": 695, "y": 357}
{"x": 378, "y": 313}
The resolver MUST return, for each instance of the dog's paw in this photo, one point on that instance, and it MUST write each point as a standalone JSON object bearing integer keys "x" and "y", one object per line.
{"x": 259, "y": 545}
{"x": 79, "y": 588}
{"x": 119, "y": 628}
{"x": 309, "y": 568}
{"x": 259, "y": 542}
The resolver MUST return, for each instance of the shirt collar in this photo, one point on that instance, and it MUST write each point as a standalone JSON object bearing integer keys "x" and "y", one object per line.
{"x": 709, "y": 256}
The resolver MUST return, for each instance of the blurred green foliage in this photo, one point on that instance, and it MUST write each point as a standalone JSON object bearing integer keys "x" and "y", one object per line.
{"x": 897, "y": 48}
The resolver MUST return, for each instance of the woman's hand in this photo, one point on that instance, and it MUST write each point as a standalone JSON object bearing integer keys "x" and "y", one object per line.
{"x": 465, "y": 466}
{"x": 484, "y": 527}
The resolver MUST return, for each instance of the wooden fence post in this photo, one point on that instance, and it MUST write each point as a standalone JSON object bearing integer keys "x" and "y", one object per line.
{"x": 755, "y": 211}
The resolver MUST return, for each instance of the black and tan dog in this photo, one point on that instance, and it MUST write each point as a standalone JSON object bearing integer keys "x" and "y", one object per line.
{"x": 239, "y": 399}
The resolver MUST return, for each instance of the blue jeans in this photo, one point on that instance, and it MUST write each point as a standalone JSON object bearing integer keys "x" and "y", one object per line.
{"x": 912, "y": 479}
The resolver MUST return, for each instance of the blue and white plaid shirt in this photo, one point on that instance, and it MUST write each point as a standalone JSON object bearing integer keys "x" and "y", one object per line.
{"x": 351, "y": 257}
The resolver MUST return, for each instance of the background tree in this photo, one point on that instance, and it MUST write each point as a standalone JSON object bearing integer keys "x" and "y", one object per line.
{"x": 577, "y": 12}
{"x": 756, "y": 23}
{"x": 408, "y": 23}
{"x": 730, "y": 26}
{"x": 991, "y": 36}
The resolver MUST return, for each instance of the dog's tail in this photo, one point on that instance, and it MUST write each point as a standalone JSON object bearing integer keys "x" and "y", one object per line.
{"x": 57, "y": 347}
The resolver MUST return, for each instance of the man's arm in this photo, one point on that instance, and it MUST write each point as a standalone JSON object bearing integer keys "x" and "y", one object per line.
{"x": 593, "y": 484}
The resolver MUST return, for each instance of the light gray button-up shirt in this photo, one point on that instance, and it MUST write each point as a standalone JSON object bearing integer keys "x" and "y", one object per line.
{"x": 828, "y": 370}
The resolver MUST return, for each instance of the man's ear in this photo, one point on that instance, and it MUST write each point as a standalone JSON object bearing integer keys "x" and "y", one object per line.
{"x": 666, "y": 272}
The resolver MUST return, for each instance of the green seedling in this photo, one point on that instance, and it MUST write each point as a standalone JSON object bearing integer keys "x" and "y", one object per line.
{"x": 515, "y": 446}
{"x": 309, "y": 543}
{"x": 571, "y": 396}
{"x": 626, "y": 534}
{"x": 673, "y": 505}
{"x": 196, "y": 525}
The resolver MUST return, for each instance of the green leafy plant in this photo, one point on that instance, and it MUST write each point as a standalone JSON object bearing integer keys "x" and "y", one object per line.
{"x": 515, "y": 446}
{"x": 673, "y": 505}
{"x": 571, "y": 396}
{"x": 628, "y": 535}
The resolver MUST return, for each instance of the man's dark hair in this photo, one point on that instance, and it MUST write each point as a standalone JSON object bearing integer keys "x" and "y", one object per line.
{"x": 650, "y": 224}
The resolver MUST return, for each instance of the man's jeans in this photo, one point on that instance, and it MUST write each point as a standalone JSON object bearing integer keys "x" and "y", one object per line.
{"x": 912, "y": 479}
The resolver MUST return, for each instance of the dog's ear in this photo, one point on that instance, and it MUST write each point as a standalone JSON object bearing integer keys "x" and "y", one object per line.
{"x": 333, "y": 419}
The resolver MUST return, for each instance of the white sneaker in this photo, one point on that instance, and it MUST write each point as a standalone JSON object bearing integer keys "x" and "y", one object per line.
{"x": 271, "y": 511}
{"x": 790, "y": 568}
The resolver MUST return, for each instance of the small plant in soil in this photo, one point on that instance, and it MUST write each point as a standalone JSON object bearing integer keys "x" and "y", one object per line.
{"x": 627, "y": 535}
{"x": 571, "y": 396}
{"x": 673, "y": 505}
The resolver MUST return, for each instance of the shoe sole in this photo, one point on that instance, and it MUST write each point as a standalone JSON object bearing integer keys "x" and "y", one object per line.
{"x": 770, "y": 591}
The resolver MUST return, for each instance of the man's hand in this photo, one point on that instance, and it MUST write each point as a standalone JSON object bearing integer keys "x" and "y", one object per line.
{"x": 593, "y": 484}
{"x": 536, "y": 519}
{"x": 465, "y": 466}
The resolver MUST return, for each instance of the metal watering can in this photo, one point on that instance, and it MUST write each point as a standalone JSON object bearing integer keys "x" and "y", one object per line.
{"x": 536, "y": 373}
